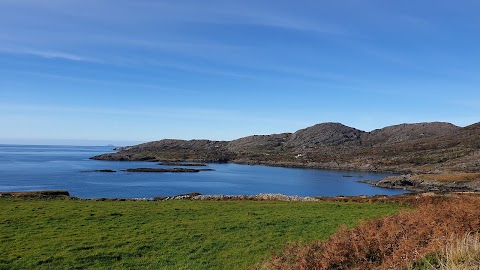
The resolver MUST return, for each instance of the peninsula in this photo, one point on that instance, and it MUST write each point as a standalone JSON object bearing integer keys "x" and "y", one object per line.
{"x": 422, "y": 148}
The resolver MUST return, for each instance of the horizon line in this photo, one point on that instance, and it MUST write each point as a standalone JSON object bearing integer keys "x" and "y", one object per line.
{"x": 121, "y": 143}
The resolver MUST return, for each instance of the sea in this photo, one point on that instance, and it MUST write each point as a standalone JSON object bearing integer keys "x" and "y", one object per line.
{"x": 47, "y": 167}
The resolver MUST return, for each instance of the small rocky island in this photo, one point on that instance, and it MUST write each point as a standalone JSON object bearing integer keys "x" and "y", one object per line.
{"x": 172, "y": 170}
{"x": 102, "y": 171}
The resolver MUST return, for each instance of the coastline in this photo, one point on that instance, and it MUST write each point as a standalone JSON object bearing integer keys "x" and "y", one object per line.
{"x": 406, "y": 178}
{"x": 326, "y": 166}
{"x": 332, "y": 165}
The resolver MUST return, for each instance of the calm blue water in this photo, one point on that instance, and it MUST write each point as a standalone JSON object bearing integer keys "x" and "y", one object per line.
{"x": 29, "y": 168}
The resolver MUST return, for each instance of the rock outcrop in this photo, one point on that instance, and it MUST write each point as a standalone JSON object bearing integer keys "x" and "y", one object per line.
{"x": 431, "y": 183}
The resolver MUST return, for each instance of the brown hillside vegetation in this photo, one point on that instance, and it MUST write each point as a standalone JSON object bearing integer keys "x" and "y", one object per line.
{"x": 451, "y": 177}
{"x": 394, "y": 242}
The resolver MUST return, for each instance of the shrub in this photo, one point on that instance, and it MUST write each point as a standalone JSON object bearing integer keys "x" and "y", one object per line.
{"x": 387, "y": 243}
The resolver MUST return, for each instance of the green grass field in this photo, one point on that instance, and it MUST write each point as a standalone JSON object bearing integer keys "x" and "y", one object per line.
{"x": 79, "y": 234}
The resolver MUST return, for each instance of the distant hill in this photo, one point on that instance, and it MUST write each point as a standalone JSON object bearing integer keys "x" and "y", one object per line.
{"x": 326, "y": 134}
{"x": 419, "y": 147}
{"x": 408, "y": 132}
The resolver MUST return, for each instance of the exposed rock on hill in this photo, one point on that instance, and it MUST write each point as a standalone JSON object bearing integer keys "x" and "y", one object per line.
{"x": 259, "y": 142}
{"x": 326, "y": 134}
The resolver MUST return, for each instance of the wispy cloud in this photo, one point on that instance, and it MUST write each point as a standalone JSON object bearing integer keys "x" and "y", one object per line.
{"x": 176, "y": 25}
{"x": 56, "y": 54}
{"x": 283, "y": 19}
{"x": 260, "y": 13}
{"x": 47, "y": 54}
{"x": 109, "y": 83}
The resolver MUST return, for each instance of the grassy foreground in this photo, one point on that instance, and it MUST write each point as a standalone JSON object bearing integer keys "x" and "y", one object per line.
{"x": 79, "y": 234}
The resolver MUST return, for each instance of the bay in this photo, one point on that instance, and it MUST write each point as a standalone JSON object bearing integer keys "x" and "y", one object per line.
{"x": 44, "y": 167}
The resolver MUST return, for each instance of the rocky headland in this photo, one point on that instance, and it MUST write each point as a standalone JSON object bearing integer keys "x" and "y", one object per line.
{"x": 421, "y": 148}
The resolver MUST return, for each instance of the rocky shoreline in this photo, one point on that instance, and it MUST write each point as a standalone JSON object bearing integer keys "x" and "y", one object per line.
{"x": 41, "y": 193}
{"x": 201, "y": 197}
{"x": 408, "y": 198}
{"x": 258, "y": 197}
{"x": 182, "y": 164}
{"x": 331, "y": 165}
{"x": 328, "y": 166}
{"x": 432, "y": 183}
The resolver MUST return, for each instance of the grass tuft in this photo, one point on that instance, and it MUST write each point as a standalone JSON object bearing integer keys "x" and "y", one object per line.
{"x": 462, "y": 253}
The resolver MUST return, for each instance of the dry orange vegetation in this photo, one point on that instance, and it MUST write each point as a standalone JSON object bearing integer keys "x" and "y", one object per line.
{"x": 462, "y": 253}
{"x": 393, "y": 242}
{"x": 451, "y": 177}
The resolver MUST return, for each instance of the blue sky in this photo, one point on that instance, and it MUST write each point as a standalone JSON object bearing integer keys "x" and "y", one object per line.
{"x": 120, "y": 71}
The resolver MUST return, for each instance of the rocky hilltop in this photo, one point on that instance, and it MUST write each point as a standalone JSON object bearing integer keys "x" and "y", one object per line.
{"x": 326, "y": 134}
{"x": 407, "y": 148}
{"x": 408, "y": 132}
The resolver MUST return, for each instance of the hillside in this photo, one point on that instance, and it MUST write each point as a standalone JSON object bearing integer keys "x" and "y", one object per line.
{"x": 420, "y": 147}
{"x": 408, "y": 132}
